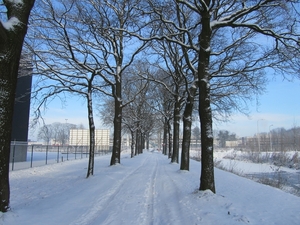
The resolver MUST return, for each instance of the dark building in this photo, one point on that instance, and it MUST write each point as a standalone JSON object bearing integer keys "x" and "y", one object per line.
{"x": 19, "y": 135}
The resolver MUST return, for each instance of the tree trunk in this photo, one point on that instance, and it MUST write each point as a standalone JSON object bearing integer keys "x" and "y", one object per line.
{"x": 170, "y": 139}
{"x": 7, "y": 98}
{"x": 137, "y": 140}
{"x": 205, "y": 113}
{"x": 11, "y": 42}
{"x": 90, "y": 170}
{"x": 142, "y": 142}
{"x": 176, "y": 132}
{"x": 116, "y": 150}
{"x": 165, "y": 137}
{"x": 147, "y": 140}
{"x": 132, "y": 142}
{"x": 187, "y": 131}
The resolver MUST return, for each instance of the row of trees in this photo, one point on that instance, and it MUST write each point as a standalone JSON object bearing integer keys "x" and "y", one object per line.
{"x": 57, "y": 132}
{"x": 285, "y": 139}
{"x": 278, "y": 139}
{"x": 213, "y": 54}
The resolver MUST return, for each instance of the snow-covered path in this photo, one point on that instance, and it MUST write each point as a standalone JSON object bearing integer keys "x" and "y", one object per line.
{"x": 144, "y": 190}
{"x": 139, "y": 191}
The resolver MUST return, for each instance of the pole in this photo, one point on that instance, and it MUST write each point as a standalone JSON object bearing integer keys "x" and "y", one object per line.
{"x": 13, "y": 156}
{"x": 31, "y": 159}
{"x": 58, "y": 154}
{"x": 68, "y": 153}
{"x": 258, "y": 135}
{"x": 270, "y": 135}
{"x": 258, "y": 141}
{"x": 46, "y": 154}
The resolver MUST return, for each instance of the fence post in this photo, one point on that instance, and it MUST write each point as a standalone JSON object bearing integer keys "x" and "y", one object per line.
{"x": 31, "y": 159}
{"x": 58, "y": 154}
{"x": 46, "y": 154}
{"x": 67, "y": 153}
{"x": 13, "y": 157}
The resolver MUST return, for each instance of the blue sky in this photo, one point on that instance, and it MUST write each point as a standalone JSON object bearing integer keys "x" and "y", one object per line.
{"x": 279, "y": 107}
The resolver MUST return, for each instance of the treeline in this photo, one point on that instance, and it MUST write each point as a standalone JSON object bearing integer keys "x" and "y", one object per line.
{"x": 157, "y": 60}
{"x": 279, "y": 139}
{"x": 56, "y": 133}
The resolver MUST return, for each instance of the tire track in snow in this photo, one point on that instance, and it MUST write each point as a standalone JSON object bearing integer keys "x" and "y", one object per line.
{"x": 103, "y": 201}
{"x": 171, "y": 209}
{"x": 150, "y": 196}
{"x": 169, "y": 198}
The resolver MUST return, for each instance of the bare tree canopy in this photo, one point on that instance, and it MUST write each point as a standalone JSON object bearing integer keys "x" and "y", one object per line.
{"x": 223, "y": 50}
{"x": 237, "y": 43}
{"x": 80, "y": 49}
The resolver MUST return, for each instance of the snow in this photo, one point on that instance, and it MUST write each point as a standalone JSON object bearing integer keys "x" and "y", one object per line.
{"x": 11, "y": 23}
{"x": 16, "y": 1}
{"x": 282, "y": 174}
{"x": 146, "y": 189}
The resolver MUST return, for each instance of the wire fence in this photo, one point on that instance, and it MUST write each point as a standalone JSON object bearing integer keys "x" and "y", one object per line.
{"x": 24, "y": 156}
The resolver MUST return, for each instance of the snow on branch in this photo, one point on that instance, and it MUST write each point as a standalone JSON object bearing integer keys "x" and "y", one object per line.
{"x": 16, "y": 2}
{"x": 11, "y": 23}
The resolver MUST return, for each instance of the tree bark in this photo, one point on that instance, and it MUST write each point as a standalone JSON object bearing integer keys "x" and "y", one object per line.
{"x": 11, "y": 42}
{"x": 147, "y": 140}
{"x": 7, "y": 97}
{"x": 138, "y": 144}
{"x": 176, "y": 123}
{"x": 90, "y": 170}
{"x": 165, "y": 137}
{"x": 207, "y": 181}
{"x": 142, "y": 142}
{"x": 170, "y": 140}
{"x": 132, "y": 142}
{"x": 138, "y": 139}
{"x": 116, "y": 150}
{"x": 187, "y": 132}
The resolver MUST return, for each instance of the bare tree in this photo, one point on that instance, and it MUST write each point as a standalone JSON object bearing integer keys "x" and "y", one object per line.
{"x": 106, "y": 22}
{"x": 65, "y": 64}
{"x": 138, "y": 113}
{"x": 90, "y": 47}
{"x": 59, "y": 132}
{"x": 281, "y": 139}
{"x": 13, "y": 27}
{"x": 243, "y": 22}
{"x": 161, "y": 102}
{"x": 46, "y": 133}
{"x": 170, "y": 76}
{"x": 137, "y": 116}
{"x": 236, "y": 43}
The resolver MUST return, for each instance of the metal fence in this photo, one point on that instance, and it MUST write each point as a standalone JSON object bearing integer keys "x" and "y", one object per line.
{"x": 24, "y": 156}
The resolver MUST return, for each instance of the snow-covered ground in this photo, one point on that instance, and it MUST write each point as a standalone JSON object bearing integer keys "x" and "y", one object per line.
{"x": 41, "y": 159}
{"x": 269, "y": 172}
{"x": 144, "y": 190}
